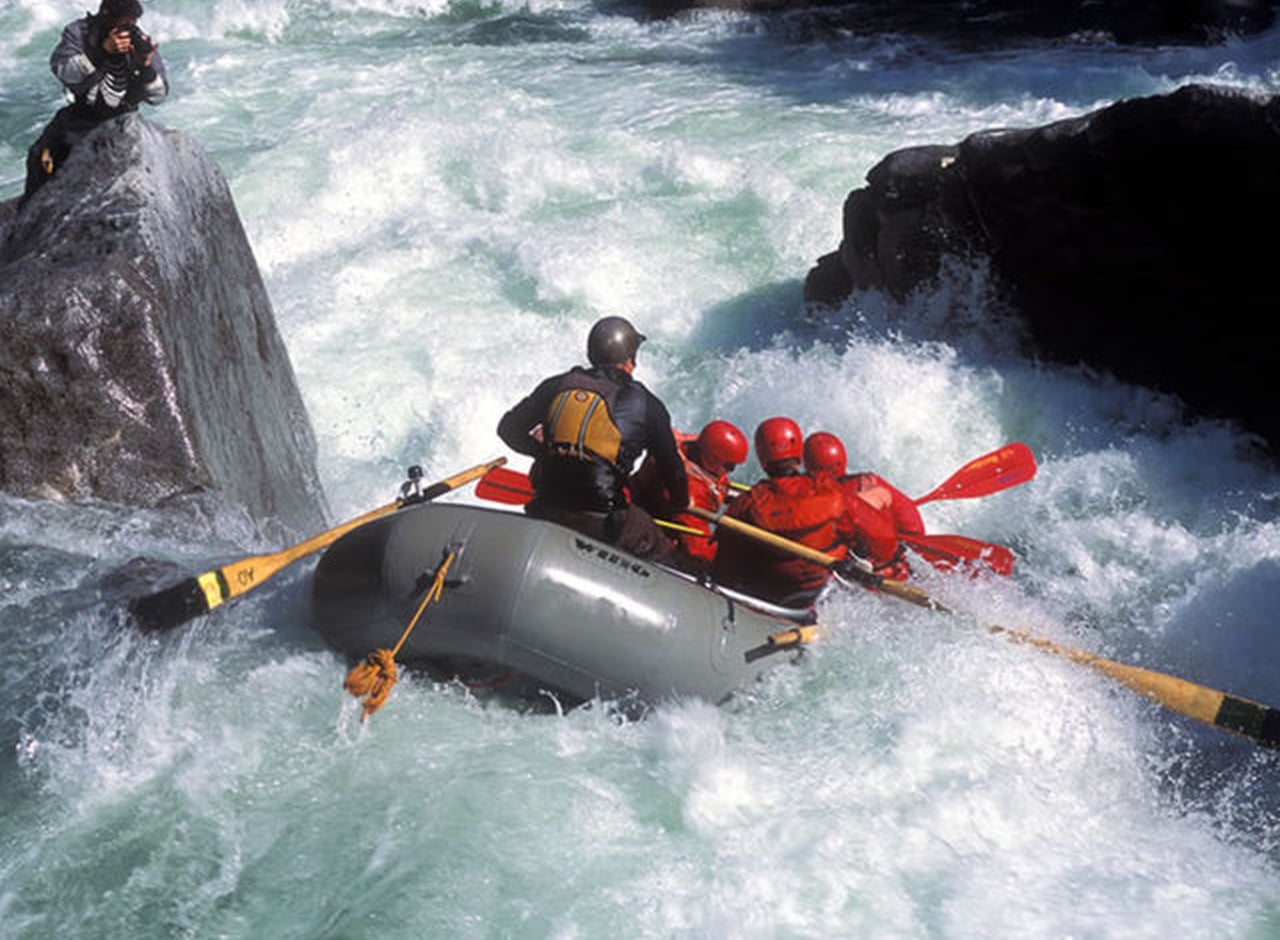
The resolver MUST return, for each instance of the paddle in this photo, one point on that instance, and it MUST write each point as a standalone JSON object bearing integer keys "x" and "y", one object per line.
{"x": 1249, "y": 719}
{"x": 195, "y": 596}
{"x": 1002, "y": 468}
{"x": 897, "y": 588}
{"x": 952, "y": 551}
{"x": 502, "y": 485}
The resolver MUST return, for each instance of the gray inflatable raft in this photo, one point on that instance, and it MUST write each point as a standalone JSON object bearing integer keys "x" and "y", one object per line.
{"x": 555, "y": 610}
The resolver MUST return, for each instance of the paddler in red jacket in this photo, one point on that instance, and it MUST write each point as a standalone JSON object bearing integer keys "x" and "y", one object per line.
{"x": 709, "y": 457}
{"x": 790, "y": 503}
{"x": 875, "y": 510}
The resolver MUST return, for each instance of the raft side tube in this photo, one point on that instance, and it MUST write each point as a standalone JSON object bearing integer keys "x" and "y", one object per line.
{"x": 572, "y": 613}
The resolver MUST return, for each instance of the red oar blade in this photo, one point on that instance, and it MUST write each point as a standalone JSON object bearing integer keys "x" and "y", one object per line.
{"x": 954, "y": 551}
{"x": 1002, "y": 468}
{"x": 502, "y": 485}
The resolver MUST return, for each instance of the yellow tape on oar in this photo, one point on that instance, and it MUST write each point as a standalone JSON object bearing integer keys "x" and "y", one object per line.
{"x": 374, "y": 677}
{"x": 797, "y": 636}
{"x": 782, "y": 641}
{"x": 214, "y": 587}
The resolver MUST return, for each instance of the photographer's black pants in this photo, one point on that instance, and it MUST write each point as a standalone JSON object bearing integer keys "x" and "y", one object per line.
{"x": 53, "y": 145}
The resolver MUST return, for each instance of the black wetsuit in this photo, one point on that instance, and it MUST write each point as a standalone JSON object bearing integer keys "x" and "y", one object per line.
{"x": 581, "y": 487}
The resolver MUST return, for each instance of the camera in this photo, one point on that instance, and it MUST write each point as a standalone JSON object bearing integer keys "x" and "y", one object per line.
{"x": 141, "y": 42}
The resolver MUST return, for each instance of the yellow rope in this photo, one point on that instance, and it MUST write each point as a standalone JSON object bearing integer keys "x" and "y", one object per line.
{"x": 374, "y": 677}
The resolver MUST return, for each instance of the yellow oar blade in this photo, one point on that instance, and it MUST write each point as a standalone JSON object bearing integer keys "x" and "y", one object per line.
{"x": 198, "y": 595}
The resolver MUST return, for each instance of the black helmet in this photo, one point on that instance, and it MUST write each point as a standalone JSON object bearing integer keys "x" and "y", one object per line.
{"x": 117, "y": 11}
{"x": 612, "y": 341}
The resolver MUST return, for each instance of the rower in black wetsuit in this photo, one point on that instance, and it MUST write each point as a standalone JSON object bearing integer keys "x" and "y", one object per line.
{"x": 585, "y": 429}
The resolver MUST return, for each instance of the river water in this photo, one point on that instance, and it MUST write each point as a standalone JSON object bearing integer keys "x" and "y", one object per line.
{"x": 442, "y": 197}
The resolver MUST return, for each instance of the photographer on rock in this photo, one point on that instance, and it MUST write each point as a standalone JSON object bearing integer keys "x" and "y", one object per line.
{"x": 109, "y": 65}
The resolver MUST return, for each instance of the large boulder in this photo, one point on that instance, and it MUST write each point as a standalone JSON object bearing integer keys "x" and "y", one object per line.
{"x": 141, "y": 362}
{"x": 988, "y": 23}
{"x": 1134, "y": 238}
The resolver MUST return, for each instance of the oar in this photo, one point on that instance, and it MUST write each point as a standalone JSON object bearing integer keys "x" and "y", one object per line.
{"x": 1002, "y": 468}
{"x": 1249, "y": 719}
{"x": 951, "y": 551}
{"x": 1245, "y": 717}
{"x": 503, "y": 485}
{"x": 512, "y": 487}
{"x": 898, "y": 589}
{"x": 195, "y": 596}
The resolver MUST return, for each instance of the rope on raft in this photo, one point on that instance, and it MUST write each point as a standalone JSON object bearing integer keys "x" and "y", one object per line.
{"x": 375, "y": 677}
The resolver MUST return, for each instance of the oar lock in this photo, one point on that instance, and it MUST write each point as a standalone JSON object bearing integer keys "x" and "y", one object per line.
{"x": 859, "y": 571}
{"x": 411, "y": 489}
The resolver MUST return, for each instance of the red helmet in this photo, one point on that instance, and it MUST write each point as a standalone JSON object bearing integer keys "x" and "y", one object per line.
{"x": 721, "y": 447}
{"x": 778, "y": 439}
{"x": 823, "y": 453}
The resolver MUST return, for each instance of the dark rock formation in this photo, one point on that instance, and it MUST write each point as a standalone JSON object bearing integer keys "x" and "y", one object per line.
{"x": 1138, "y": 238}
{"x": 986, "y": 23}
{"x": 141, "y": 361}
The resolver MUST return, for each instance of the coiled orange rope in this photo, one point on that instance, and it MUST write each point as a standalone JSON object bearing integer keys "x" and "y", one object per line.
{"x": 374, "y": 677}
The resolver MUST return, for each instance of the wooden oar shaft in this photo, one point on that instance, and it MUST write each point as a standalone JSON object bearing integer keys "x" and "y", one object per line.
{"x": 898, "y": 589}
{"x": 247, "y": 573}
{"x": 1253, "y": 720}
{"x": 200, "y": 594}
{"x": 1232, "y": 713}
{"x": 678, "y": 527}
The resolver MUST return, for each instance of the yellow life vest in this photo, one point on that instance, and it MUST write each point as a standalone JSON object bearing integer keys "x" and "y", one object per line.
{"x": 579, "y": 424}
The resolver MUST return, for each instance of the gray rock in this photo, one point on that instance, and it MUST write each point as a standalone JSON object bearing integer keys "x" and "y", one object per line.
{"x": 1135, "y": 239}
{"x": 141, "y": 362}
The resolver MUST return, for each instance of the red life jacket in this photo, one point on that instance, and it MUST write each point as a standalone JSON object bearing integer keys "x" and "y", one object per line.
{"x": 705, "y": 491}
{"x": 874, "y": 488}
{"x": 800, "y": 508}
{"x": 875, "y": 513}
